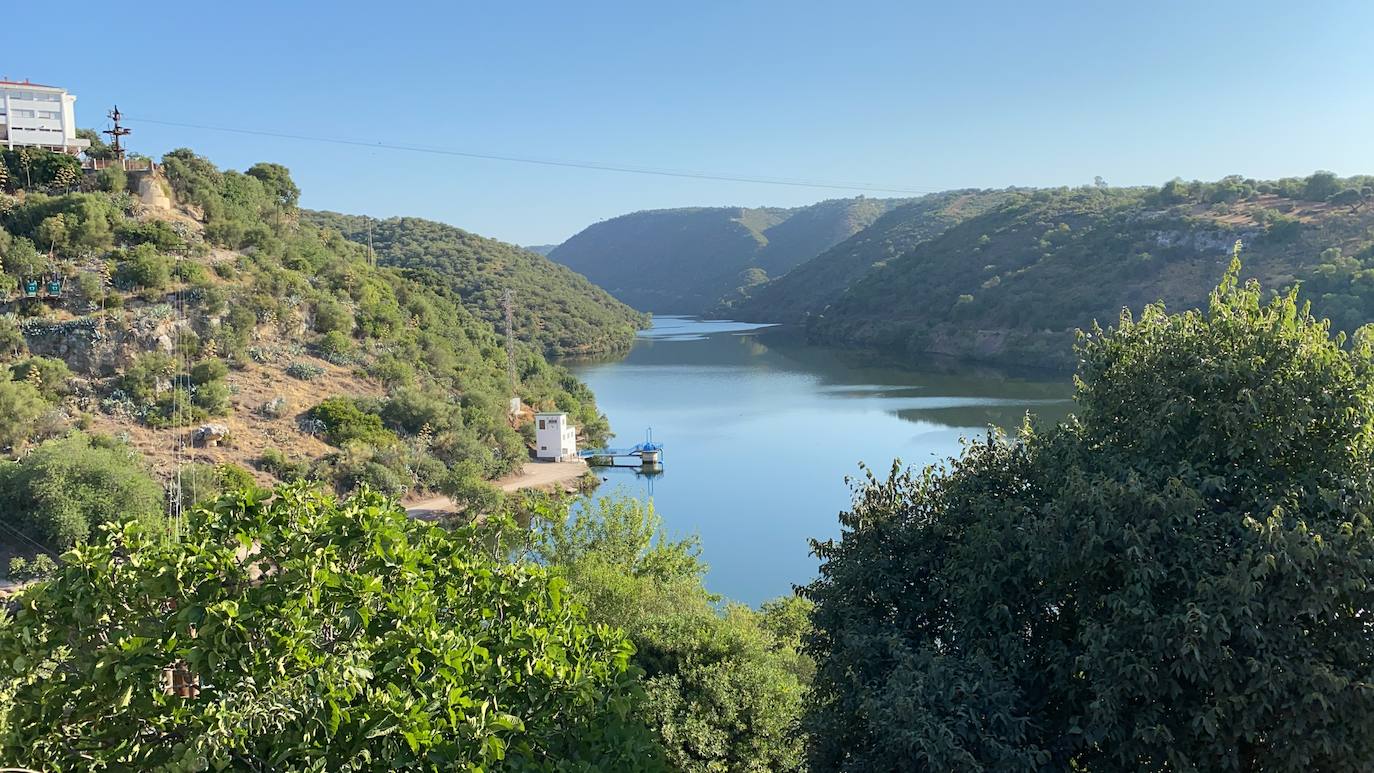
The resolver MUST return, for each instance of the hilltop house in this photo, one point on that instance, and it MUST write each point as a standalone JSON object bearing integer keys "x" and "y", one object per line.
{"x": 554, "y": 437}
{"x": 37, "y": 116}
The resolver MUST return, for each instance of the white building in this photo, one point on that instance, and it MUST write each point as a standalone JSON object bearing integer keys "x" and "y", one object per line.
{"x": 555, "y": 437}
{"x": 37, "y": 116}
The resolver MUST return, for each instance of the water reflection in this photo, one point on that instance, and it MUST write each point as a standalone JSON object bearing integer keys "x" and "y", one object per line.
{"x": 761, "y": 431}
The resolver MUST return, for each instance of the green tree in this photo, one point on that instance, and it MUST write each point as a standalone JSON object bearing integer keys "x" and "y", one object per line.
{"x": 724, "y": 686}
{"x": 1177, "y": 579}
{"x": 1321, "y": 186}
{"x": 20, "y": 407}
{"x": 276, "y": 180}
{"x": 297, "y": 632}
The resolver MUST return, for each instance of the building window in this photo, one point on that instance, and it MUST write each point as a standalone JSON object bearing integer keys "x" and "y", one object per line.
{"x": 49, "y": 114}
{"x": 541, "y": 423}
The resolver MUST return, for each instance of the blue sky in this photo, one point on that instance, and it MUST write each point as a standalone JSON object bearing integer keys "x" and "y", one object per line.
{"x": 909, "y": 94}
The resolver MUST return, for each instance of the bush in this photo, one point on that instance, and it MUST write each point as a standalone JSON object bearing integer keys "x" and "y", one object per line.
{"x": 1152, "y": 586}
{"x": 419, "y": 651}
{"x": 305, "y": 371}
{"x": 276, "y": 463}
{"x": 51, "y": 377}
{"x": 336, "y": 347}
{"x": 209, "y": 370}
{"x": 64, "y": 489}
{"x": 332, "y": 316}
{"x": 142, "y": 267}
{"x": 344, "y": 421}
{"x": 112, "y": 179}
{"x": 213, "y": 397}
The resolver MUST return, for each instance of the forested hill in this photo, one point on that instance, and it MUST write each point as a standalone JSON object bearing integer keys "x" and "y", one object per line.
{"x": 1012, "y": 284}
{"x": 811, "y": 286}
{"x": 687, "y": 260}
{"x": 191, "y": 321}
{"x": 555, "y": 308}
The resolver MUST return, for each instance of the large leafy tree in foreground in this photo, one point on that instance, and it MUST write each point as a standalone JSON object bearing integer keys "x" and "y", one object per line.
{"x": 302, "y": 633}
{"x": 1181, "y": 578}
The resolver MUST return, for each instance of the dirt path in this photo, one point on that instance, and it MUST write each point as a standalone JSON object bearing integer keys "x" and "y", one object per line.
{"x": 537, "y": 475}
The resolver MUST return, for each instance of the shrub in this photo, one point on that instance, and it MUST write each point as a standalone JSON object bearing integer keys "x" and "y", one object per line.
{"x": 209, "y": 370}
{"x": 64, "y": 489}
{"x": 143, "y": 267}
{"x": 336, "y": 347}
{"x": 344, "y": 421}
{"x": 51, "y": 377}
{"x": 305, "y": 371}
{"x": 332, "y": 316}
{"x": 212, "y": 397}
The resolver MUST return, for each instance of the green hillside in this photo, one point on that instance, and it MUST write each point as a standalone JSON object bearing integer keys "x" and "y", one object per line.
{"x": 809, "y": 287}
{"x": 1012, "y": 284}
{"x": 228, "y": 311}
{"x": 555, "y": 308}
{"x": 687, "y": 260}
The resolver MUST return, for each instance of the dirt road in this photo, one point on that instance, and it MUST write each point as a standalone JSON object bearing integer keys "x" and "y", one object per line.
{"x": 537, "y": 475}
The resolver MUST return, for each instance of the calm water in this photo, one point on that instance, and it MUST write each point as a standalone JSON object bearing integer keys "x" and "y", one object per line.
{"x": 759, "y": 433}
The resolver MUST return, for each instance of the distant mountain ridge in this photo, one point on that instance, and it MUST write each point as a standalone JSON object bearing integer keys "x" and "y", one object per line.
{"x": 687, "y": 260}
{"x": 555, "y": 308}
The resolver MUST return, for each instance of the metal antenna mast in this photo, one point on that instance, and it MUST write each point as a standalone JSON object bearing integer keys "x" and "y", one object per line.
{"x": 117, "y": 132}
{"x": 508, "y": 303}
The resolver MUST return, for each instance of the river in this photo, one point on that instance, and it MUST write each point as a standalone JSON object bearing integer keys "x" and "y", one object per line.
{"x": 760, "y": 432}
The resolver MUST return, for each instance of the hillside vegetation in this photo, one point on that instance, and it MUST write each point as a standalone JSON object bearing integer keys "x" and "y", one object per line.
{"x": 813, "y": 285}
{"x": 555, "y": 309}
{"x": 685, "y": 261}
{"x": 233, "y": 340}
{"x": 1008, "y": 276}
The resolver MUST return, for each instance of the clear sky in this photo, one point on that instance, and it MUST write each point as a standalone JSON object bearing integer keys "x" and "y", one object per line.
{"x": 910, "y": 94}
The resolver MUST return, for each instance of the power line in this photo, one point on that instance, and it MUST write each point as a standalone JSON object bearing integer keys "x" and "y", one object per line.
{"x": 572, "y": 164}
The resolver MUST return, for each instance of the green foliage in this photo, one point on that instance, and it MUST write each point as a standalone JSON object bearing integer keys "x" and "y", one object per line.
{"x": 60, "y": 492}
{"x": 145, "y": 378}
{"x": 112, "y": 179}
{"x": 811, "y": 286}
{"x": 212, "y": 397}
{"x": 724, "y": 688}
{"x": 36, "y": 568}
{"x": 51, "y": 377}
{"x": 73, "y": 223}
{"x": 144, "y": 267}
{"x": 209, "y": 370}
{"x": 344, "y": 421}
{"x": 305, "y": 371}
{"x": 1154, "y": 585}
{"x": 555, "y": 309}
{"x": 33, "y": 168}
{"x": 21, "y": 405}
{"x": 351, "y": 638}
{"x": 158, "y": 233}
{"x": 22, "y": 259}
{"x": 1010, "y": 283}
{"x": 332, "y": 316}
{"x": 276, "y": 181}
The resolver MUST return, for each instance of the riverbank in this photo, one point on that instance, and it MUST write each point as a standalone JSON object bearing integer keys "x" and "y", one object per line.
{"x": 535, "y": 475}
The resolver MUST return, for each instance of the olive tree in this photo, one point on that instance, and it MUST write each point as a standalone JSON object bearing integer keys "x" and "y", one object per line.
{"x": 1180, "y": 578}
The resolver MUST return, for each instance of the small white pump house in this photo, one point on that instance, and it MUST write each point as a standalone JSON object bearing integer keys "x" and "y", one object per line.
{"x": 555, "y": 438}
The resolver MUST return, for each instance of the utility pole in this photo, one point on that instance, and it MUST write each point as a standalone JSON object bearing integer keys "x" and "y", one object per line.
{"x": 117, "y": 132}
